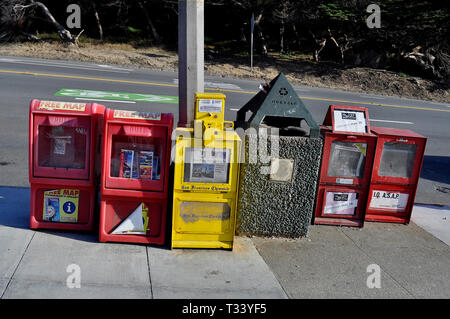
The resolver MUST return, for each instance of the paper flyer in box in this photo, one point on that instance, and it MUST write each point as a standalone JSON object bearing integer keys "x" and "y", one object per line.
{"x": 350, "y": 121}
{"x": 61, "y": 205}
{"x": 145, "y": 165}
{"x": 389, "y": 200}
{"x": 128, "y": 164}
{"x": 338, "y": 203}
{"x": 136, "y": 223}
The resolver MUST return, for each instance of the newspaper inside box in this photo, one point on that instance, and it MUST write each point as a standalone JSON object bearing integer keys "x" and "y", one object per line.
{"x": 206, "y": 165}
{"x": 340, "y": 203}
{"x": 135, "y": 157}
{"x": 352, "y": 121}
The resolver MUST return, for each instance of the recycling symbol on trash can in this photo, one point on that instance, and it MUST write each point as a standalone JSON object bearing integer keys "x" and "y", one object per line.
{"x": 283, "y": 91}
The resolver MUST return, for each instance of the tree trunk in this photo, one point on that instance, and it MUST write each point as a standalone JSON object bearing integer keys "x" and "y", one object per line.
{"x": 150, "y": 23}
{"x": 63, "y": 34}
{"x": 282, "y": 37}
{"x": 319, "y": 45}
{"x": 97, "y": 19}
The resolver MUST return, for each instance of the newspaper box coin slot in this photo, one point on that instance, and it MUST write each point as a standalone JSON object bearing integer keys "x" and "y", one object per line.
{"x": 135, "y": 171}
{"x": 63, "y": 148}
{"x": 348, "y": 153}
{"x": 395, "y": 176}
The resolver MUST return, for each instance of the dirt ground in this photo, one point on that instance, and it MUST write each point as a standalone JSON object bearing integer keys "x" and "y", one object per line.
{"x": 298, "y": 71}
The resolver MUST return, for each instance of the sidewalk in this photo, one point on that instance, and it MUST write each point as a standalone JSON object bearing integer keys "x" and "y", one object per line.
{"x": 330, "y": 263}
{"x": 33, "y": 264}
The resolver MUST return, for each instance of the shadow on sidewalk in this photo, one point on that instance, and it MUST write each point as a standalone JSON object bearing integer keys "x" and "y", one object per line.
{"x": 436, "y": 168}
{"x": 15, "y": 213}
{"x": 15, "y": 207}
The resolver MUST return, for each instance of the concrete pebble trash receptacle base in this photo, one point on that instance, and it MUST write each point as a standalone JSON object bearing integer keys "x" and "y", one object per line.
{"x": 273, "y": 208}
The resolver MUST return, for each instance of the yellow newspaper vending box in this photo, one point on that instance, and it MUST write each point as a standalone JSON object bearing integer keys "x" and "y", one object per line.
{"x": 206, "y": 178}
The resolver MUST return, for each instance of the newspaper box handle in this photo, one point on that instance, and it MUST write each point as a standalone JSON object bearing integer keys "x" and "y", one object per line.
{"x": 231, "y": 124}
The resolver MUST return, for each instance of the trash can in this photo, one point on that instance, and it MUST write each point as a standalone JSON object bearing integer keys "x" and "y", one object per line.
{"x": 348, "y": 153}
{"x": 63, "y": 148}
{"x": 279, "y": 174}
{"x": 135, "y": 176}
{"x": 395, "y": 175}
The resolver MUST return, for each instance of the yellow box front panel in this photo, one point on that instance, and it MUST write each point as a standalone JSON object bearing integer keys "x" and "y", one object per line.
{"x": 202, "y": 220}
{"x": 195, "y": 215}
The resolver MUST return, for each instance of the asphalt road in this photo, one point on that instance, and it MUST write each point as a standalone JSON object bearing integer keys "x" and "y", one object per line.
{"x": 22, "y": 79}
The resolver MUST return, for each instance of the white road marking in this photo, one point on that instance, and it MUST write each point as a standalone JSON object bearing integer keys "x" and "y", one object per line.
{"x": 217, "y": 85}
{"x": 437, "y": 103}
{"x": 372, "y": 97}
{"x": 400, "y": 122}
{"x": 113, "y": 67}
{"x": 118, "y": 101}
{"x": 66, "y": 65}
{"x": 6, "y": 60}
{"x": 234, "y": 109}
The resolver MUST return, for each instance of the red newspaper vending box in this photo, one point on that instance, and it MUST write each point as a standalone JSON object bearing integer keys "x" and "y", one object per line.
{"x": 62, "y": 152}
{"x": 135, "y": 176}
{"x": 349, "y": 148}
{"x": 395, "y": 175}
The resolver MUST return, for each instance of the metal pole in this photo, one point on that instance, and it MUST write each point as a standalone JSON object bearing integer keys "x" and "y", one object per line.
{"x": 190, "y": 57}
{"x": 252, "y": 25}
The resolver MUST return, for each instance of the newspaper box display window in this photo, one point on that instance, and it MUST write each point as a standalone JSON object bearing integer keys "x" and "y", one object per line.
{"x": 135, "y": 159}
{"x": 395, "y": 176}
{"x": 205, "y": 179}
{"x": 206, "y": 165}
{"x": 349, "y": 149}
{"x": 135, "y": 173}
{"x": 62, "y": 154}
